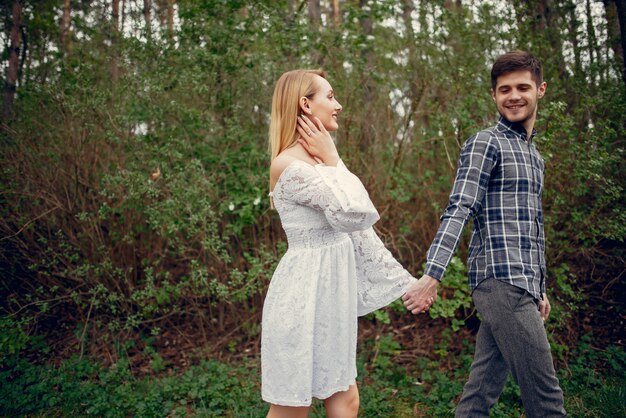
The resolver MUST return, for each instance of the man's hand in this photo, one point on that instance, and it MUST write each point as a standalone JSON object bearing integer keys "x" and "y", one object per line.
{"x": 421, "y": 295}
{"x": 544, "y": 307}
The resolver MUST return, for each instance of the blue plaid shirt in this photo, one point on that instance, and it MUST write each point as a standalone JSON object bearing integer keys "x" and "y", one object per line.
{"x": 498, "y": 182}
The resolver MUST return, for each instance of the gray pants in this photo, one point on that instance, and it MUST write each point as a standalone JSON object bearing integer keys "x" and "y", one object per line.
{"x": 511, "y": 338}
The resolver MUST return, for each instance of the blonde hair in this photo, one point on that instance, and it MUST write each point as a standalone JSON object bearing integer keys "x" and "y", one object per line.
{"x": 290, "y": 87}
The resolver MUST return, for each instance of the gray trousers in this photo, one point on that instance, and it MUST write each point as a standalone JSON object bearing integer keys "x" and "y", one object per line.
{"x": 511, "y": 338}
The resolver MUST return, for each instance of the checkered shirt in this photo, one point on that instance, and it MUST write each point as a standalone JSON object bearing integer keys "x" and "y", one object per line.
{"x": 498, "y": 183}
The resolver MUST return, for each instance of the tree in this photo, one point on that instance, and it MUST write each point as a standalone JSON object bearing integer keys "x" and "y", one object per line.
{"x": 615, "y": 11}
{"x": 10, "y": 85}
{"x": 147, "y": 15}
{"x": 65, "y": 26}
{"x": 115, "y": 38}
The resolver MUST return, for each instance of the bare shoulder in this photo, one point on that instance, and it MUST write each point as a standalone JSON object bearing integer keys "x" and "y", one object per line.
{"x": 279, "y": 164}
{"x": 285, "y": 158}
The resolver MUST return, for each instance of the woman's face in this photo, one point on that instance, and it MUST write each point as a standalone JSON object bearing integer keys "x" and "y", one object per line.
{"x": 323, "y": 105}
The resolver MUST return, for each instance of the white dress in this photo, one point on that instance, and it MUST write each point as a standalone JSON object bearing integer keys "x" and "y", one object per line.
{"x": 335, "y": 269}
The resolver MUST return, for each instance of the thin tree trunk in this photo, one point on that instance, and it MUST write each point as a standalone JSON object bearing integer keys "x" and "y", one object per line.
{"x": 315, "y": 12}
{"x": 147, "y": 15}
{"x": 336, "y": 13}
{"x": 454, "y": 8}
{"x": 540, "y": 16}
{"x": 315, "y": 23}
{"x": 591, "y": 34}
{"x": 123, "y": 15}
{"x": 574, "y": 25}
{"x": 367, "y": 27}
{"x": 621, "y": 17}
{"x": 65, "y": 26}
{"x": 553, "y": 28}
{"x": 23, "y": 50}
{"x": 162, "y": 12}
{"x": 14, "y": 53}
{"x": 453, "y": 5}
{"x": 407, "y": 11}
{"x": 170, "y": 19}
{"x": 115, "y": 19}
{"x": 616, "y": 31}
{"x": 423, "y": 21}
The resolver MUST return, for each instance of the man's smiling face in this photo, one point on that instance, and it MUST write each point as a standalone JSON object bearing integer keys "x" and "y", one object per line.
{"x": 516, "y": 96}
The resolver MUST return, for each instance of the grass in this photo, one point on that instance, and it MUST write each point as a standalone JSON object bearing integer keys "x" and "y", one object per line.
{"x": 594, "y": 384}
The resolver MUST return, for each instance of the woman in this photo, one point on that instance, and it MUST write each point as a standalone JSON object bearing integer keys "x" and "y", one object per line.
{"x": 336, "y": 267}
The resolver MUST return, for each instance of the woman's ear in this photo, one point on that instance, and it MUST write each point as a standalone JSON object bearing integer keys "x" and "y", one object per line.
{"x": 304, "y": 106}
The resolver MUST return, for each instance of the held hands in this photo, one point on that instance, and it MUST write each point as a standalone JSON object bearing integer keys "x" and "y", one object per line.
{"x": 317, "y": 141}
{"x": 421, "y": 295}
{"x": 544, "y": 307}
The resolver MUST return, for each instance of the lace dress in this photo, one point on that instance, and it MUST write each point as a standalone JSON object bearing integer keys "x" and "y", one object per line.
{"x": 335, "y": 269}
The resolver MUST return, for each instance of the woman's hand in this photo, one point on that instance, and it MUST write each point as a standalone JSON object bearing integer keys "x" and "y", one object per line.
{"x": 317, "y": 141}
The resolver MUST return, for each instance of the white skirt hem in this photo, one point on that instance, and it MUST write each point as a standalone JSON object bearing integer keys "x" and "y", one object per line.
{"x": 323, "y": 395}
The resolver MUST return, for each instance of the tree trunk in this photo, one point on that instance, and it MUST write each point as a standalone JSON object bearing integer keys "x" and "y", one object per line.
{"x": 616, "y": 21}
{"x": 621, "y": 17}
{"x": 367, "y": 27}
{"x": 14, "y": 54}
{"x": 123, "y": 5}
{"x": 540, "y": 16}
{"x": 453, "y": 5}
{"x": 573, "y": 26}
{"x": 162, "y": 13}
{"x": 553, "y": 31}
{"x": 315, "y": 23}
{"x": 65, "y": 26}
{"x": 315, "y": 13}
{"x": 423, "y": 21}
{"x": 23, "y": 50}
{"x": 147, "y": 15}
{"x": 591, "y": 34}
{"x": 336, "y": 13}
{"x": 170, "y": 19}
{"x": 407, "y": 11}
{"x": 115, "y": 19}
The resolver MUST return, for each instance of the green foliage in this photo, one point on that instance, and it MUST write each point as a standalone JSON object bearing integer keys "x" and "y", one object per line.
{"x": 454, "y": 295}
{"x": 130, "y": 204}
{"x": 595, "y": 380}
{"x": 13, "y": 339}
{"x": 82, "y": 388}
{"x": 593, "y": 385}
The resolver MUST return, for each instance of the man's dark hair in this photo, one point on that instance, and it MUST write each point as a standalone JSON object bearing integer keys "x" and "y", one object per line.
{"x": 515, "y": 61}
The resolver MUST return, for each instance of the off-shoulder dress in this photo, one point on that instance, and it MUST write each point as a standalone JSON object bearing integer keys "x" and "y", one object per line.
{"x": 335, "y": 269}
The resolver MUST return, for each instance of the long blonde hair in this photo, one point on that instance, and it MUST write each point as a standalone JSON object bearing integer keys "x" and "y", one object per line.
{"x": 290, "y": 87}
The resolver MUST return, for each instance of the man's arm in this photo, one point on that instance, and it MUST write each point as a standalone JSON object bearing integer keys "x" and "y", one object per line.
{"x": 478, "y": 158}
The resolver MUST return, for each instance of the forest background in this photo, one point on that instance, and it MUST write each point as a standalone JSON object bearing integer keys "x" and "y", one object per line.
{"x": 136, "y": 237}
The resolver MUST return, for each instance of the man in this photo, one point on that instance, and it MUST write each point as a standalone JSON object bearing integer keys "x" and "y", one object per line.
{"x": 499, "y": 183}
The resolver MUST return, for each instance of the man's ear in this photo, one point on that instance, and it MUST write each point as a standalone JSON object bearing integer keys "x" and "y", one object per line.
{"x": 493, "y": 94}
{"x": 541, "y": 91}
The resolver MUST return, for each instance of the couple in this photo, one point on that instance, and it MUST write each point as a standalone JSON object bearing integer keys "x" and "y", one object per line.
{"x": 336, "y": 267}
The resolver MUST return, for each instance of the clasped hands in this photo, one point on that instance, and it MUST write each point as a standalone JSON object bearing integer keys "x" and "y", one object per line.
{"x": 421, "y": 295}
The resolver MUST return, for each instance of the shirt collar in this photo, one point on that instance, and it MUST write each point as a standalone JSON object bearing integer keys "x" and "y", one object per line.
{"x": 516, "y": 128}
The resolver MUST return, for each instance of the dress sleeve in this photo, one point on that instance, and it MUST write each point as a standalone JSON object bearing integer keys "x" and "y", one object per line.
{"x": 380, "y": 278}
{"x": 335, "y": 191}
